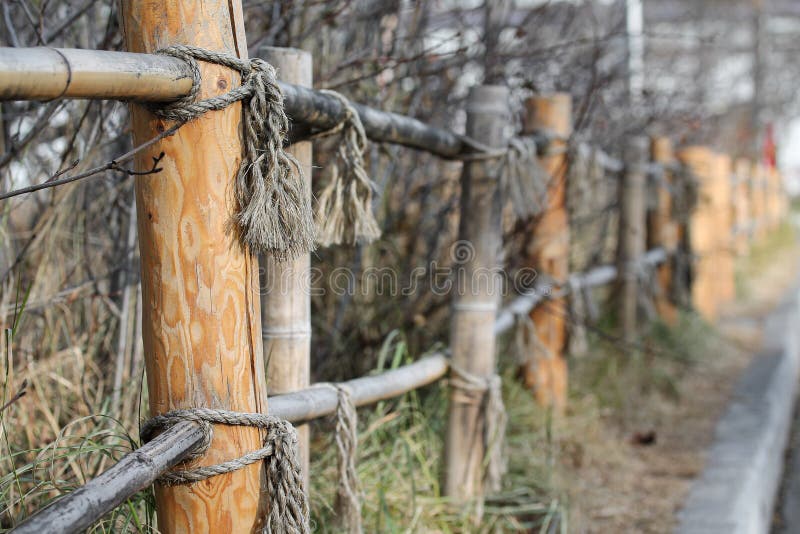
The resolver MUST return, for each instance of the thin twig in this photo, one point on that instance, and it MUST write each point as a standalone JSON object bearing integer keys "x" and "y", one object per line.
{"x": 113, "y": 165}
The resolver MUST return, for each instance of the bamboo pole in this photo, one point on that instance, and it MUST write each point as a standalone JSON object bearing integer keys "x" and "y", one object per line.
{"x": 201, "y": 317}
{"x": 159, "y": 78}
{"x": 78, "y": 510}
{"x": 48, "y": 73}
{"x": 632, "y": 232}
{"x": 548, "y": 251}
{"x": 478, "y": 288}
{"x": 285, "y": 295}
{"x": 662, "y": 230}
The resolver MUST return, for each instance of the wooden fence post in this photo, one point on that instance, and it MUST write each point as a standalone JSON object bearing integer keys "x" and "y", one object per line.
{"x": 632, "y": 231}
{"x": 702, "y": 233}
{"x": 201, "y": 319}
{"x": 285, "y": 291}
{"x": 662, "y": 229}
{"x": 478, "y": 288}
{"x": 548, "y": 251}
{"x": 722, "y": 199}
{"x": 742, "y": 210}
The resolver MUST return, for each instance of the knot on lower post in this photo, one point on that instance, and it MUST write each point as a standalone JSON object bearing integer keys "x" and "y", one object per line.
{"x": 486, "y": 392}
{"x": 273, "y": 201}
{"x": 288, "y": 510}
{"x": 344, "y": 208}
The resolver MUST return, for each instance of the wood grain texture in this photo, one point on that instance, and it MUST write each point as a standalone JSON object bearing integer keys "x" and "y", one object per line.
{"x": 201, "y": 320}
{"x": 285, "y": 291}
{"x": 548, "y": 252}
{"x": 477, "y": 291}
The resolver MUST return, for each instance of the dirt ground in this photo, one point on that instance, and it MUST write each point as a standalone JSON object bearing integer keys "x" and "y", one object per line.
{"x": 620, "y": 482}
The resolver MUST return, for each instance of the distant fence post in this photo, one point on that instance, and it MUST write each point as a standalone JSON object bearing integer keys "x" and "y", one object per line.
{"x": 477, "y": 289}
{"x": 632, "y": 228}
{"x": 742, "y": 210}
{"x": 722, "y": 199}
{"x": 548, "y": 251}
{"x": 662, "y": 229}
{"x": 702, "y": 234}
{"x": 201, "y": 319}
{"x": 285, "y": 291}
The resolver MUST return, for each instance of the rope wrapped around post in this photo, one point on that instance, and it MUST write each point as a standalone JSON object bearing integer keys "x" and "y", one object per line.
{"x": 273, "y": 212}
{"x": 486, "y": 391}
{"x": 523, "y": 179}
{"x": 344, "y": 209}
{"x": 288, "y": 510}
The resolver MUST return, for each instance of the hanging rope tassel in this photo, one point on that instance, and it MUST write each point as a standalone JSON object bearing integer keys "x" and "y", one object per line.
{"x": 273, "y": 213}
{"x": 486, "y": 391}
{"x": 348, "y": 495}
{"x": 523, "y": 179}
{"x": 344, "y": 211}
{"x": 578, "y": 344}
{"x": 288, "y": 509}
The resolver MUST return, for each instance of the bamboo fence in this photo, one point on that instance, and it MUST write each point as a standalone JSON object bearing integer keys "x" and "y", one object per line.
{"x": 182, "y": 332}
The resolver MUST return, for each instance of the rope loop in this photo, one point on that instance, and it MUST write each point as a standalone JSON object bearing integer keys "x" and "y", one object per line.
{"x": 487, "y": 392}
{"x": 273, "y": 212}
{"x": 288, "y": 511}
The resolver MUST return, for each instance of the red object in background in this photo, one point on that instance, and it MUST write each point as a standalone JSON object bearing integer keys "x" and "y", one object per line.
{"x": 769, "y": 155}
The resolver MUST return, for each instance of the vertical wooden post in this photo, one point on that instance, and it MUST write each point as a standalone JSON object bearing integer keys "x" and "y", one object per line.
{"x": 662, "y": 230}
{"x": 201, "y": 317}
{"x": 548, "y": 251}
{"x": 699, "y": 159}
{"x": 742, "y": 211}
{"x": 722, "y": 199}
{"x": 632, "y": 231}
{"x": 285, "y": 291}
{"x": 477, "y": 290}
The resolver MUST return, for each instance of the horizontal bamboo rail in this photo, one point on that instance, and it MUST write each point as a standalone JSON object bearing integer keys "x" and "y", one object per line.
{"x": 47, "y": 73}
{"x": 76, "y": 511}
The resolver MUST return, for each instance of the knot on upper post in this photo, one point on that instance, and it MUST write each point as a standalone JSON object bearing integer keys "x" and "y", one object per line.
{"x": 273, "y": 212}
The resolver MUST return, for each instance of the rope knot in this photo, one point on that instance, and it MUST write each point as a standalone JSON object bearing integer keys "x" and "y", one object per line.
{"x": 273, "y": 213}
{"x": 288, "y": 510}
{"x": 486, "y": 391}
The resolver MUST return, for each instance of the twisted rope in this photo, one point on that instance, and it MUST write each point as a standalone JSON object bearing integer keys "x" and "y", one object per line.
{"x": 523, "y": 179}
{"x": 288, "y": 510}
{"x": 344, "y": 209}
{"x": 348, "y": 494}
{"x": 578, "y": 345}
{"x": 486, "y": 392}
{"x": 273, "y": 201}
